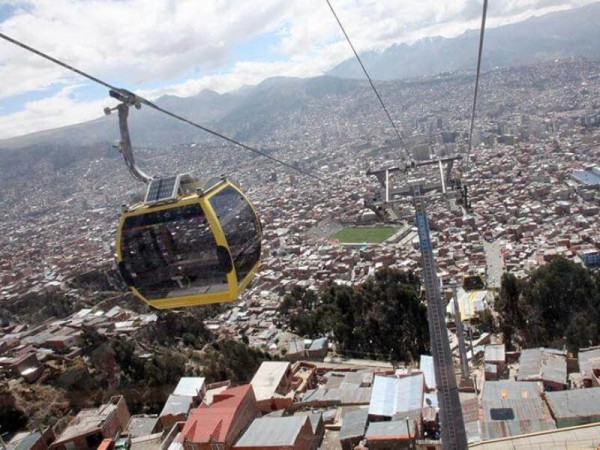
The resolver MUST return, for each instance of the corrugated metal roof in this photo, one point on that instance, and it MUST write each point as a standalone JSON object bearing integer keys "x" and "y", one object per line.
{"x": 334, "y": 379}
{"x": 313, "y": 395}
{"x": 350, "y": 396}
{"x": 543, "y": 364}
{"x": 426, "y": 366}
{"x": 395, "y": 395}
{"x": 512, "y": 408}
{"x": 177, "y": 404}
{"x": 586, "y": 436}
{"x": 587, "y": 360}
{"x": 28, "y": 441}
{"x": 473, "y": 430}
{"x": 189, "y": 386}
{"x": 496, "y": 429}
{"x": 296, "y": 346}
{"x": 576, "y": 403}
{"x": 315, "y": 418}
{"x": 352, "y": 380}
{"x": 319, "y": 344}
{"x": 387, "y": 430}
{"x": 468, "y": 303}
{"x": 271, "y": 431}
{"x": 470, "y": 409}
{"x": 495, "y": 353}
{"x": 509, "y": 390}
{"x": 354, "y": 424}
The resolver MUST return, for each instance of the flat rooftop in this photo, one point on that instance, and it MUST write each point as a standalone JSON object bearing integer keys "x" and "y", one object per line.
{"x": 87, "y": 421}
{"x": 267, "y": 378}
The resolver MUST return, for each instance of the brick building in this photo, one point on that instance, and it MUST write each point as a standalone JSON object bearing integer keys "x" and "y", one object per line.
{"x": 90, "y": 426}
{"x": 219, "y": 425}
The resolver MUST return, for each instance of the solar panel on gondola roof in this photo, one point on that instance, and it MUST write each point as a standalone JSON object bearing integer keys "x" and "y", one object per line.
{"x": 161, "y": 189}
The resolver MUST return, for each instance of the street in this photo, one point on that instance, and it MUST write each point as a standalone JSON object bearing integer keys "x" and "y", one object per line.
{"x": 495, "y": 265}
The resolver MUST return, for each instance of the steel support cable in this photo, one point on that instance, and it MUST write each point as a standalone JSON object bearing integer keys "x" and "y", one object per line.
{"x": 158, "y": 108}
{"x": 370, "y": 82}
{"x": 479, "y": 54}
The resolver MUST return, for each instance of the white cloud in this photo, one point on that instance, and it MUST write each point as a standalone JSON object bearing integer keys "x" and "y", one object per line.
{"x": 133, "y": 42}
{"x": 52, "y": 112}
{"x": 312, "y": 42}
{"x": 253, "y": 72}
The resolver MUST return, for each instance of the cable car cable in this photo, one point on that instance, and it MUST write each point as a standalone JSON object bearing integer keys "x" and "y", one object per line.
{"x": 230, "y": 140}
{"x": 158, "y": 108}
{"x": 479, "y": 57}
{"x": 370, "y": 81}
{"x": 55, "y": 61}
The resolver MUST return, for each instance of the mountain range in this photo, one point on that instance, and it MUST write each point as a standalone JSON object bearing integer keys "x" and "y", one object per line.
{"x": 574, "y": 32}
{"x": 252, "y": 111}
{"x": 245, "y": 114}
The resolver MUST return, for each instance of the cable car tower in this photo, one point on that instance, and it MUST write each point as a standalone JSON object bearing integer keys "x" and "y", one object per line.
{"x": 417, "y": 188}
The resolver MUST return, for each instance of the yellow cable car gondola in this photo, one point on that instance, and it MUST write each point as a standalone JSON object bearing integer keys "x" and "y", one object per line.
{"x": 187, "y": 243}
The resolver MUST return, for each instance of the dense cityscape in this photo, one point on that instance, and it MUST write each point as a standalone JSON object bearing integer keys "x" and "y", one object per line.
{"x": 533, "y": 180}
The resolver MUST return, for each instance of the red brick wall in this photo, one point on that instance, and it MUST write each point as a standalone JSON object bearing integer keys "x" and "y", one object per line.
{"x": 118, "y": 420}
{"x": 39, "y": 445}
{"x": 247, "y": 412}
{"x": 306, "y": 439}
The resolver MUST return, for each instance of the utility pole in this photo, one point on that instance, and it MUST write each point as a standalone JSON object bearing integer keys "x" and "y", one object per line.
{"x": 451, "y": 419}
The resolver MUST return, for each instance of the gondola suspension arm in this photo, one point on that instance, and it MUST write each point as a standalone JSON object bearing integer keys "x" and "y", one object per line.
{"x": 127, "y": 99}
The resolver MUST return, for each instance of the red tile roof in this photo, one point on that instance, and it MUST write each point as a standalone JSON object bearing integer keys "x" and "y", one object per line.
{"x": 215, "y": 420}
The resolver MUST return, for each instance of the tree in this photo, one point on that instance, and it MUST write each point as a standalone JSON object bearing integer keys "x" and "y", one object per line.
{"x": 553, "y": 297}
{"x": 559, "y": 304}
{"x": 581, "y": 332}
{"x": 91, "y": 339}
{"x": 508, "y": 307}
{"x": 230, "y": 360}
{"x": 171, "y": 326}
{"x": 486, "y": 320}
{"x": 299, "y": 298}
{"x": 384, "y": 318}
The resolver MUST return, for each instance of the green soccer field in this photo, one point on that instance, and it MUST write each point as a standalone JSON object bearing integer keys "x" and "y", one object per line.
{"x": 370, "y": 235}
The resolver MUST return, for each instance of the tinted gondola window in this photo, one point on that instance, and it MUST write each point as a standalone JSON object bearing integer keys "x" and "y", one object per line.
{"x": 241, "y": 229}
{"x": 172, "y": 253}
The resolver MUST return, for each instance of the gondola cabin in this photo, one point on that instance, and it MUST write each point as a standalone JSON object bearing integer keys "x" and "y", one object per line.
{"x": 189, "y": 244}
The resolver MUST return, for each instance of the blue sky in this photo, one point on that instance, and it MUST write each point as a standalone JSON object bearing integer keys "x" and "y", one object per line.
{"x": 180, "y": 47}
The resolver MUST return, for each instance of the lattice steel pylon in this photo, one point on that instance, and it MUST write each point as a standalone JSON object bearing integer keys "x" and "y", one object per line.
{"x": 451, "y": 418}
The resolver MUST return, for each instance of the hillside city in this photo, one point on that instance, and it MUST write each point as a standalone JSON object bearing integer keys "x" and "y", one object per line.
{"x": 534, "y": 193}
